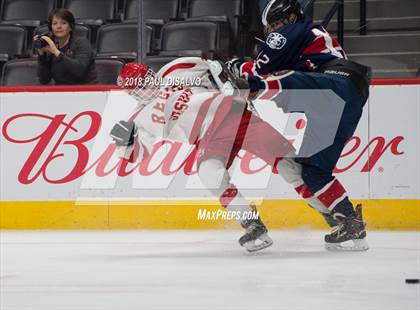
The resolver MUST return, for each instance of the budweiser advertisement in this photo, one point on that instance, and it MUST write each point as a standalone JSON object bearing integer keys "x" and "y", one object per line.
{"x": 56, "y": 146}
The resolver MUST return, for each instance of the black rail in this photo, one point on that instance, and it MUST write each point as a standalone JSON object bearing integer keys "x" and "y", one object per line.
{"x": 340, "y": 22}
{"x": 141, "y": 33}
{"x": 363, "y": 21}
{"x": 338, "y": 7}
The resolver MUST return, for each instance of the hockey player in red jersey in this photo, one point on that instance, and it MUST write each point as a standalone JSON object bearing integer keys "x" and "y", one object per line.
{"x": 213, "y": 117}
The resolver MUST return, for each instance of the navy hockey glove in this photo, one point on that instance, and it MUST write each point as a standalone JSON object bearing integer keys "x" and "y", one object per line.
{"x": 124, "y": 133}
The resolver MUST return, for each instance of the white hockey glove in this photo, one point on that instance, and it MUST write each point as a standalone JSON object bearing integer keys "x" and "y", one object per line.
{"x": 124, "y": 133}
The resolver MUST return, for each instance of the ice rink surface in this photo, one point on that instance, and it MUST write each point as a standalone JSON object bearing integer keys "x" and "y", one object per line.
{"x": 127, "y": 270}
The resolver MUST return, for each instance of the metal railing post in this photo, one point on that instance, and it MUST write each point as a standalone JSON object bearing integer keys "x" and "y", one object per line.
{"x": 330, "y": 14}
{"x": 308, "y": 9}
{"x": 141, "y": 33}
{"x": 340, "y": 22}
{"x": 363, "y": 22}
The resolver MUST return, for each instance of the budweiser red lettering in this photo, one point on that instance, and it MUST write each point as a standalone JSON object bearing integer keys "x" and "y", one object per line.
{"x": 59, "y": 125}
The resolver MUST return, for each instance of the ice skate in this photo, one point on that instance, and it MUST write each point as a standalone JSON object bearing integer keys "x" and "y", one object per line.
{"x": 329, "y": 218}
{"x": 255, "y": 237}
{"x": 351, "y": 229}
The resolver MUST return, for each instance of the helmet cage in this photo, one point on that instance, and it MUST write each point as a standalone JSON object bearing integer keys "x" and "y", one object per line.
{"x": 143, "y": 88}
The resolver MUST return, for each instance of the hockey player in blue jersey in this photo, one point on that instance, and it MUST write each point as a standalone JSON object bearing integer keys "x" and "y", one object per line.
{"x": 300, "y": 56}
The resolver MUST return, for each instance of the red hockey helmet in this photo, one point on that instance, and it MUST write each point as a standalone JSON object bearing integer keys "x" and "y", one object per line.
{"x": 140, "y": 81}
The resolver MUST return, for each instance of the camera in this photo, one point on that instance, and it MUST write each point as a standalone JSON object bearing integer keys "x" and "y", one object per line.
{"x": 40, "y": 43}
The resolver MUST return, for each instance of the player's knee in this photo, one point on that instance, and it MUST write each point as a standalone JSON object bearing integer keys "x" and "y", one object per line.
{"x": 315, "y": 178}
{"x": 213, "y": 174}
{"x": 290, "y": 171}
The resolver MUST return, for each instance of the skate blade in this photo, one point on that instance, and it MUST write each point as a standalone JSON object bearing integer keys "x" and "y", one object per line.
{"x": 253, "y": 246}
{"x": 359, "y": 245}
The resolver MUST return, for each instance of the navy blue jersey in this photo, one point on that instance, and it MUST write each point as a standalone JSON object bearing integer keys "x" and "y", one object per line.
{"x": 302, "y": 47}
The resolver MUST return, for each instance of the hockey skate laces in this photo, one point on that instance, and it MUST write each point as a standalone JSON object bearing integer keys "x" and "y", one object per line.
{"x": 338, "y": 228}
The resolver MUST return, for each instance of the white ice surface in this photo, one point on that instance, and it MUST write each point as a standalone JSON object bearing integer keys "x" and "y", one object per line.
{"x": 122, "y": 270}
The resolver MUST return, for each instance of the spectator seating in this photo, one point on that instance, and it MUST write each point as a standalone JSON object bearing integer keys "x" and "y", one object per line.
{"x": 23, "y": 72}
{"x": 28, "y": 13}
{"x": 387, "y": 58}
{"x": 156, "y": 14}
{"x": 391, "y": 45}
{"x": 91, "y": 12}
{"x": 155, "y": 11}
{"x": 382, "y": 15}
{"x": 12, "y": 41}
{"x": 20, "y": 72}
{"x": 120, "y": 40}
{"x": 221, "y": 11}
{"x": 108, "y": 69}
{"x": 205, "y": 36}
{"x": 157, "y": 62}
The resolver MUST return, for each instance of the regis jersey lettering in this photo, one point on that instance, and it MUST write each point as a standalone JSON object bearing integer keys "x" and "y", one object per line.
{"x": 181, "y": 115}
{"x": 181, "y": 104}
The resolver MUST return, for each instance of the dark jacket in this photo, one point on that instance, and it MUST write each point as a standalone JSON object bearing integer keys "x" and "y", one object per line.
{"x": 74, "y": 65}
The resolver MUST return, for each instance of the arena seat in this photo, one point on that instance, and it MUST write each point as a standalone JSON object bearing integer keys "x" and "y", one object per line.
{"x": 20, "y": 72}
{"x": 108, "y": 69}
{"x": 155, "y": 11}
{"x": 91, "y": 12}
{"x": 184, "y": 53}
{"x": 194, "y": 35}
{"x": 12, "y": 41}
{"x": 28, "y": 13}
{"x": 228, "y": 11}
{"x": 157, "y": 62}
{"x": 120, "y": 40}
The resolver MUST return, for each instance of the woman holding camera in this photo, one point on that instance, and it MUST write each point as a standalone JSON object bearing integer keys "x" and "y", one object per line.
{"x": 63, "y": 57}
